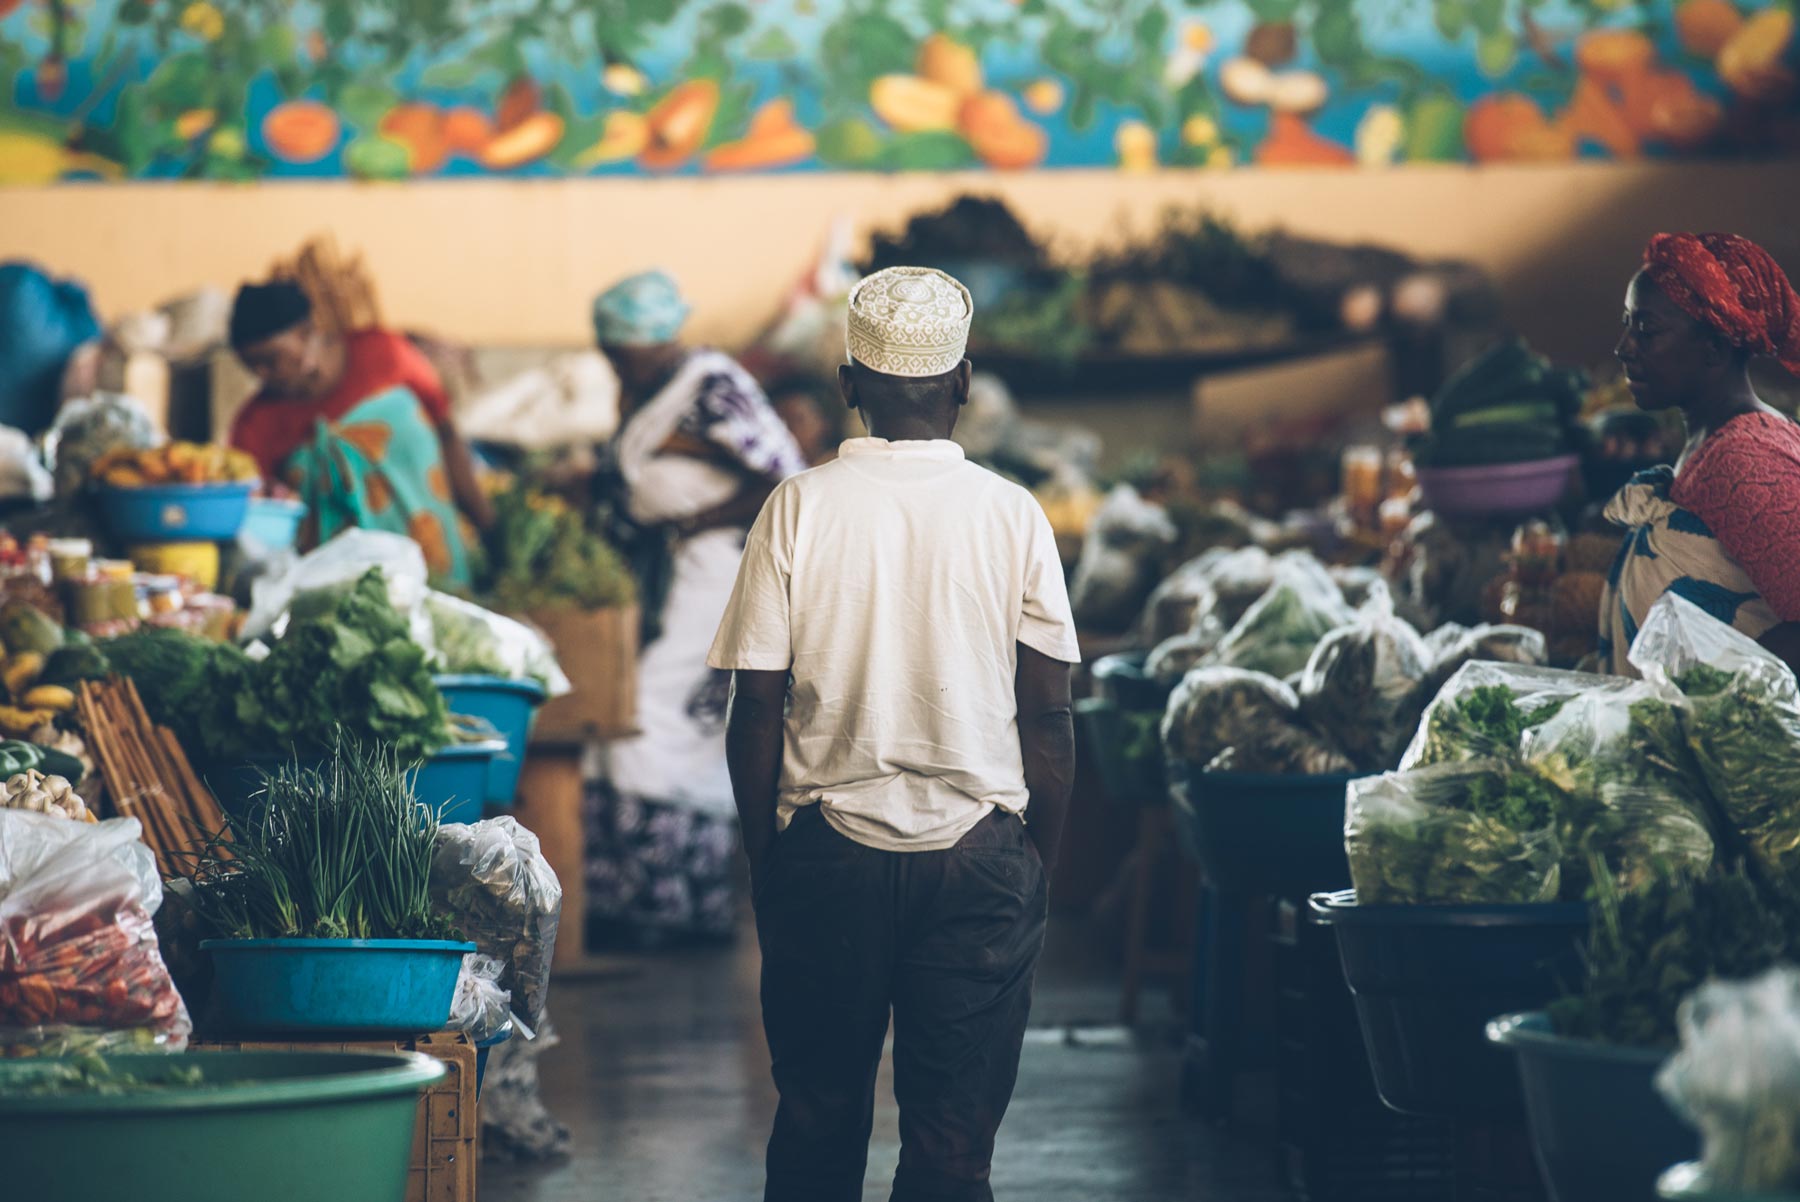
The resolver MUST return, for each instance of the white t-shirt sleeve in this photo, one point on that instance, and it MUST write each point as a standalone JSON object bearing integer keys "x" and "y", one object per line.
{"x": 754, "y": 634}
{"x": 1047, "y": 624}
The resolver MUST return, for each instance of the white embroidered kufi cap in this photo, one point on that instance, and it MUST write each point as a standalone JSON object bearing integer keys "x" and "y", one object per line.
{"x": 910, "y": 321}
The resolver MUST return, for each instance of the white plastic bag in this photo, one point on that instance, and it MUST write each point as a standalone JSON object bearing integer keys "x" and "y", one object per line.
{"x": 1279, "y": 633}
{"x": 1463, "y": 720}
{"x": 1737, "y": 1080}
{"x": 573, "y": 400}
{"x": 491, "y": 877}
{"x": 79, "y": 958}
{"x": 1119, "y": 560}
{"x": 340, "y": 563}
{"x": 481, "y": 1007}
{"x": 1359, "y": 681}
{"x": 22, "y": 474}
{"x": 89, "y": 427}
{"x": 470, "y": 640}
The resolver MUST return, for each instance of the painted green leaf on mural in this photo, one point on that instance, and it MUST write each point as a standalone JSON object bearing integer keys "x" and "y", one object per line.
{"x": 850, "y": 142}
{"x": 376, "y": 157}
{"x": 453, "y": 73}
{"x": 773, "y": 45}
{"x": 927, "y": 152}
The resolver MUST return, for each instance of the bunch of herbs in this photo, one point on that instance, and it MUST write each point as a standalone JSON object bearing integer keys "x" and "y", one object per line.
{"x": 339, "y": 851}
{"x": 1649, "y": 949}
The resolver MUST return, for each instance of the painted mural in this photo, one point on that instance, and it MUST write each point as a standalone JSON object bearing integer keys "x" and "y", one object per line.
{"x": 398, "y": 89}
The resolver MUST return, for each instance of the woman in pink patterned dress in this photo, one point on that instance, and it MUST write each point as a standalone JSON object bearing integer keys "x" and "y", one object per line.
{"x": 1722, "y": 527}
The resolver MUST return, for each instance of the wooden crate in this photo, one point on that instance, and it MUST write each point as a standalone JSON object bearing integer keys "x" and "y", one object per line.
{"x": 598, "y": 649}
{"x": 447, "y": 1132}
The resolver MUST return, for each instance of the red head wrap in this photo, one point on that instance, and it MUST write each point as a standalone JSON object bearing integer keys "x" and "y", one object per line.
{"x": 1733, "y": 285}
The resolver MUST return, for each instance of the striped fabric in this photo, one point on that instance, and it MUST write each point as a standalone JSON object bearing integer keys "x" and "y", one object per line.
{"x": 1669, "y": 550}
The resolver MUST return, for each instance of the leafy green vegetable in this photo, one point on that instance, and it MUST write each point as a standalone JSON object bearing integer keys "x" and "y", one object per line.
{"x": 92, "y": 1074}
{"x": 1480, "y": 832}
{"x": 1649, "y": 949}
{"x": 1484, "y": 722}
{"x": 338, "y": 852}
{"x": 1744, "y": 731}
{"x": 547, "y": 556}
{"x": 347, "y": 661}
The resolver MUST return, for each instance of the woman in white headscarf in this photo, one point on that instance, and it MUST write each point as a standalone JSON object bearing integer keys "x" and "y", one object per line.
{"x": 698, "y": 452}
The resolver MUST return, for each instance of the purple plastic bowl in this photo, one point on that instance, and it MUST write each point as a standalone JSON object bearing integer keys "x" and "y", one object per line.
{"x": 1498, "y": 488}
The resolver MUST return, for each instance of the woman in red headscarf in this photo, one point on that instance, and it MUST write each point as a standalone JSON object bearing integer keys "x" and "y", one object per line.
{"x": 1722, "y": 527}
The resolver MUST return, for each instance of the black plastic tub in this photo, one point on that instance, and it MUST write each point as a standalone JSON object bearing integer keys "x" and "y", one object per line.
{"x": 1427, "y": 979}
{"x": 1122, "y": 680}
{"x": 1263, "y": 833}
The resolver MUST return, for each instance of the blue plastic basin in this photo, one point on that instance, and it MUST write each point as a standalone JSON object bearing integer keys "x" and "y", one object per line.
{"x": 176, "y": 512}
{"x": 1122, "y": 679}
{"x": 456, "y": 778}
{"x": 454, "y": 781}
{"x": 510, "y": 705}
{"x": 483, "y": 1047}
{"x": 1427, "y": 979}
{"x": 274, "y": 523}
{"x": 399, "y": 987}
{"x": 1602, "y": 1132}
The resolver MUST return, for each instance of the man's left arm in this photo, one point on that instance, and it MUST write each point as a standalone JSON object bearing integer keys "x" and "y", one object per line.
{"x": 753, "y": 749}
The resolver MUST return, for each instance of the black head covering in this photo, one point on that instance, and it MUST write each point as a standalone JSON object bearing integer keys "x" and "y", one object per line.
{"x": 262, "y": 311}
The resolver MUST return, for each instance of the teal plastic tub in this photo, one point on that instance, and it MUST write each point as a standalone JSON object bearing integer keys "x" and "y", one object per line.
{"x": 170, "y": 513}
{"x": 1128, "y": 782}
{"x": 483, "y": 1047}
{"x": 1427, "y": 979}
{"x": 510, "y": 706}
{"x": 270, "y": 1126}
{"x": 320, "y": 987}
{"x": 274, "y": 523}
{"x": 1602, "y": 1131}
{"x": 454, "y": 781}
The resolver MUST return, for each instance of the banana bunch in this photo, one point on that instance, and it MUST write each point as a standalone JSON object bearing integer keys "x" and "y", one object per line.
{"x": 31, "y": 705}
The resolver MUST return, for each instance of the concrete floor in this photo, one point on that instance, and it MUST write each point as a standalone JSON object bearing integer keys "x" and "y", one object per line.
{"x": 663, "y": 1078}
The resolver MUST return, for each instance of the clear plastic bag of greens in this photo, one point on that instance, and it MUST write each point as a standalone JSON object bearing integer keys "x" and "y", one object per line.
{"x": 470, "y": 640}
{"x": 1173, "y": 658}
{"x": 1357, "y": 685}
{"x": 493, "y": 881}
{"x": 317, "y": 580}
{"x": 1481, "y": 832}
{"x": 1484, "y": 710}
{"x": 1740, "y": 714}
{"x": 78, "y": 948}
{"x": 1227, "y": 719}
{"x": 1238, "y": 580}
{"x": 1736, "y": 1079}
{"x": 1637, "y": 800}
{"x": 1120, "y": 559}
{"x": 1277, "y": 635}
{"x": 481, "y": 1005}
{"x": 1180, "y": 603}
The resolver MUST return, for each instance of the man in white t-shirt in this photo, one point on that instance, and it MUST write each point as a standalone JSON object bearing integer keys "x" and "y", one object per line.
{"x": 901, "y": 753}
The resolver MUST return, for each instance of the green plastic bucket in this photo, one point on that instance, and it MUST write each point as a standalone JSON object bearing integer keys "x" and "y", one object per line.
{"x": 269, "y": 1126}
{"x": 1602, "y": 1132}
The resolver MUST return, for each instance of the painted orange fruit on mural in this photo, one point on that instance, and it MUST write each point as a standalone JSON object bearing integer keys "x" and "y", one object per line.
{"x": 1509, "y": 127}
{"x": 1615, "y": 55}
{"x": 526, "y": 142}
{"x": 467, "y": 130}
{"x": 775, "y": 139}
{"x": 521, "y": 99}
{"x": 1002, "y": 138}
{"x": 1704, "y": 26}
{"x": 679, "y": 125}
{"x": 419, "y": 128}
{"x": 301, "y": 131}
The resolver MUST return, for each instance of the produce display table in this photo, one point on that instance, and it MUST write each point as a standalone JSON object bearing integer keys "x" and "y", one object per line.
{"x": 447, "y": 1132}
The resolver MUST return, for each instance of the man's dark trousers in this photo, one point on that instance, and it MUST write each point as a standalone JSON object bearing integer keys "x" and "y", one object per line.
{"x": 946, "y": 940}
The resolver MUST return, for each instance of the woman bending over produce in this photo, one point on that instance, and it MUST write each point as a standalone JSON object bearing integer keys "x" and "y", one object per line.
{"x": 359, "y": 425}
{"x": 698, "y": 452}
{"x": 1722, "y": 527}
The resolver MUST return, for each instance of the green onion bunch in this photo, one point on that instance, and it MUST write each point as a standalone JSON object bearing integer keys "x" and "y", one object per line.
{"x": 340, "y": 851}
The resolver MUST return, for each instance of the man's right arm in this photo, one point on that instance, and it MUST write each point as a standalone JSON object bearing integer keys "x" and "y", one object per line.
{"x": 1047, "y": 745}
{"x": 753, "y": 747}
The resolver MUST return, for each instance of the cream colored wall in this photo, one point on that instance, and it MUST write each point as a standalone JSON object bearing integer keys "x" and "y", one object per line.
{"x": 517, "y": 261}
